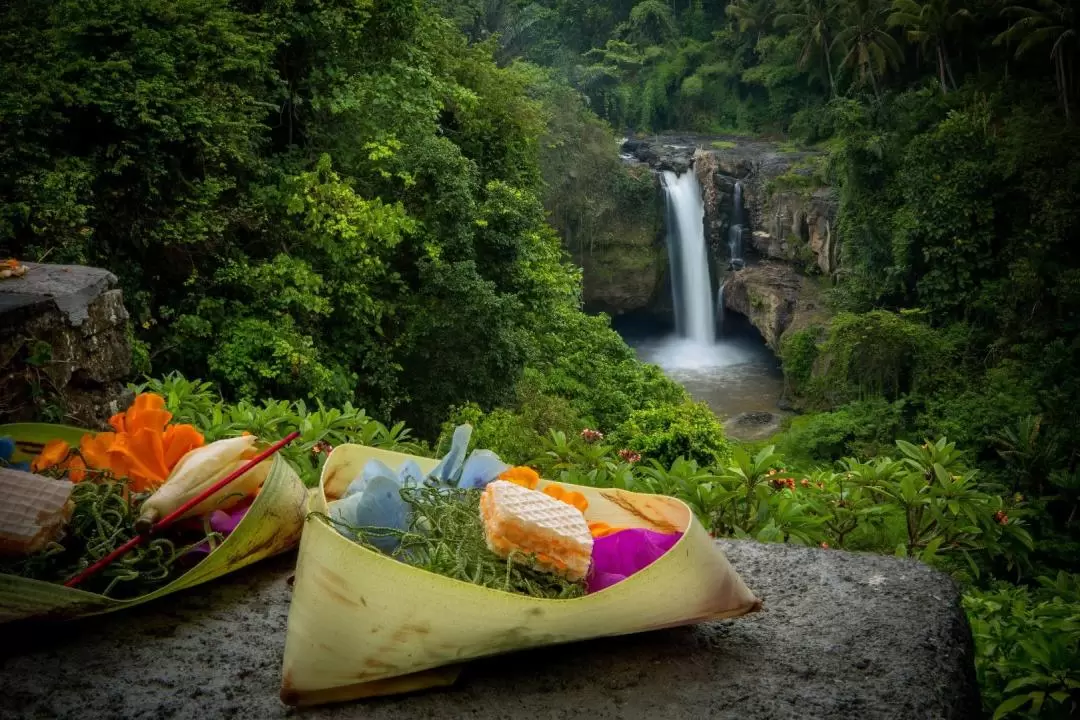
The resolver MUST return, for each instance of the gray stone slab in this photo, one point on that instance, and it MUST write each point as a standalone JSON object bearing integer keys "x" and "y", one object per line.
{"x": 841, "y": 636}
{"x": 71, "y": 288}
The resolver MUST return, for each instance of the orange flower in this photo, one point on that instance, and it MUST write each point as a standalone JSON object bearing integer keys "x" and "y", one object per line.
{"x": 523, "y": 476}
{"x": 76, "y": 469}
{"x": 140, "y": 457}
{"x": 144, "y": 449}
{"x": 602, "y": 529}
{"x": 179, "y": 440}
{"x": 54, "y": 453}
{"x": 95, "y": 449}
{"x": 148, "y": 411}
{"x": 569, "y": 497}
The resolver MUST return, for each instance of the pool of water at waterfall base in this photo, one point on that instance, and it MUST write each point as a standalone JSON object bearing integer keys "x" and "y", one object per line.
{"x": 736, "y": 374}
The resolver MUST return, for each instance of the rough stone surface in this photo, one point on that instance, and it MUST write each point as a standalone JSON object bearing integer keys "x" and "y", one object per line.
{"x": 64, "y": 348}
{"x": 623, "y": 276}
{"x": 776, "y": 299}
{"x": 841, "y": 636}
{"x": 801, "y": 227}
{"x": 753, "y": 426}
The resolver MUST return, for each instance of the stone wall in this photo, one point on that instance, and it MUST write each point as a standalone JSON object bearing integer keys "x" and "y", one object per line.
{"x": 64, "y": 346}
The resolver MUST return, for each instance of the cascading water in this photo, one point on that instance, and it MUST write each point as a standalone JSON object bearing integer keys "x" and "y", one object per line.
{"x": 720, "y": 307}
{"x": 735, "y": 232}
{"x": 689, "y": 260}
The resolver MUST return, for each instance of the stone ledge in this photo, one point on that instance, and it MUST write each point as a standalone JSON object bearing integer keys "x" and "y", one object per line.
{"x": 841, "y": 636}
{"x": 69, "y": 288}
{"x": 63, "y": 345}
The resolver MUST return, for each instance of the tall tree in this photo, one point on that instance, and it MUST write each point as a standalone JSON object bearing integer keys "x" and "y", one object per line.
{"x": 928, "y": 23}
{"x": 813, "y": 24}
{"x": 869, "y": 50}
{"x": 756, "y": 15}
{"x": 1052, "y": 23}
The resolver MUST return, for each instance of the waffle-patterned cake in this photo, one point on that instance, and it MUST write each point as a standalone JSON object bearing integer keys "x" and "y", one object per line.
{"x": 33, "y": 510}
{"x": 536, "y": 528}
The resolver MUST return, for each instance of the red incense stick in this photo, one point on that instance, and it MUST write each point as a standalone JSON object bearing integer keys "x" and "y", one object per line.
{"x": 175, "y": 514}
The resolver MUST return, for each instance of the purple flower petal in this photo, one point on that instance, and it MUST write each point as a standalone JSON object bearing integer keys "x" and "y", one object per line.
{"x": 224, "y": 522}
{"x": 618, "y": 556}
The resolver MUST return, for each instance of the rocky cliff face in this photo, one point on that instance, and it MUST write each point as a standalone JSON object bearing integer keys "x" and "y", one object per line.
{"x": 800, "y": 227}
{"x": 777, "y": 299}
{"x": 624, "y": 276}
{"x": 791, "y": 216}
{"x": 64, "y": 345}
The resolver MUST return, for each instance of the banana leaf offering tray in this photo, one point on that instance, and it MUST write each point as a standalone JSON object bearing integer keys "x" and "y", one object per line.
{"x": 391, "y": 541}
{"x": 72, "y": 498}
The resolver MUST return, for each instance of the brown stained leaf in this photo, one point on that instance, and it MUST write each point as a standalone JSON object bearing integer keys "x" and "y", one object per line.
{"x": 331, "y": 585}
{"x": 651, "y": 510}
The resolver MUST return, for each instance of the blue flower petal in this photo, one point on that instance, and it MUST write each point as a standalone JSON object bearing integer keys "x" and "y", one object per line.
{"x": 378, "y": 505}
{"x": 449, "y": 467}
{"x": 410, "y": 474}
{"x": 372, "y": 470}
{"x": 7, "y": 448}
{"x": 481, "y": 468}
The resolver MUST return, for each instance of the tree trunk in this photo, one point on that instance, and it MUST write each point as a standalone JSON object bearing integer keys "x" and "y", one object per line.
{"x": 941, "y": 70}
{"x": 828, "y": 68}
{"x": 948, "y": 65}
{"x": 1062, "y": 86}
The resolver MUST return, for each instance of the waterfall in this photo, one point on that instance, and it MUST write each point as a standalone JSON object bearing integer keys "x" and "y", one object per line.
{"x": 688, "y": 258}
{"x": 735, "y": 232}
{"x": 720, "y": 306}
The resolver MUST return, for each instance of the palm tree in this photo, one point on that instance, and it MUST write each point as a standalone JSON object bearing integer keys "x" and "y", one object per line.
{"x": 514, "y": 26}
{"x": 813, "y": 24}
{"x": 927, "y": 23}
{"x": 1053, "y": 23}
{"x": 869, "y": 49}
{"x": 752, "y": 15}
{"x": 651, "y": 22}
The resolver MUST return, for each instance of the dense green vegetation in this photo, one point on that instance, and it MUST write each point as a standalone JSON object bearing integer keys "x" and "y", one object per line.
{"x": 324, "y": 200}
{"x": 368, "y": 203}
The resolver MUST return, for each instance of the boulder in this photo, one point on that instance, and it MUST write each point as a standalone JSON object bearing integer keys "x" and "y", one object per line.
{"x": 841, "y": 636}
{"x": 753, "y": 426}
{"x": 775, "y": 298}
{"x": 64, "y": 343}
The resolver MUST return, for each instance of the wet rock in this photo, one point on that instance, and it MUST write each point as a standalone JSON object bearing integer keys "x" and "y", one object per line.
{"x": 841, "y": 636}
{"x": 753, "y": 426}
{"x": 64, "y": 341}
{"x": 775, "y": 298}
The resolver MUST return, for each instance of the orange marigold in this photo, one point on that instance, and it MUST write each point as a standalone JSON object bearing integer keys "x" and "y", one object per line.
{"x": 523, "y": 476}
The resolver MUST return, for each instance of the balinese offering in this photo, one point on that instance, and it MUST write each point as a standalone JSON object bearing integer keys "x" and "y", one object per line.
{"x": 11, "y": 268}
{"x": 87, "y": 495}
{"x": 523, "y": 561}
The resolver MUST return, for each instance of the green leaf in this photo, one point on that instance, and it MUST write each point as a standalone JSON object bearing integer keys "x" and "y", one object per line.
{"x": 1013, "y": 703}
